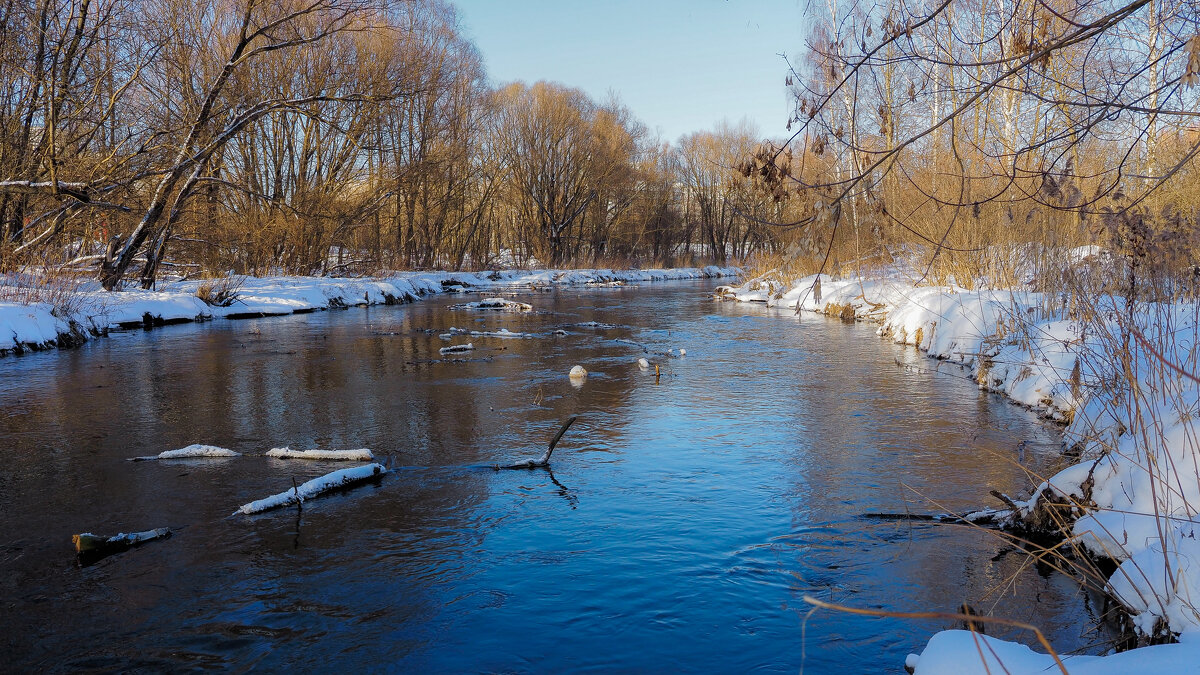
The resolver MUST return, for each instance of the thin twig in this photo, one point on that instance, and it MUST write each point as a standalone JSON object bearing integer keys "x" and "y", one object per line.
{"x": 946, "y": 616}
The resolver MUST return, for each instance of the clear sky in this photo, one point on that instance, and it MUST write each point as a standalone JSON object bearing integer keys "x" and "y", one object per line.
{"x": 679, "y": 65}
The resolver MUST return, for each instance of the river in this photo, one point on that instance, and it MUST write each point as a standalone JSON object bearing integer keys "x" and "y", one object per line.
{"x": 685, "y": 519}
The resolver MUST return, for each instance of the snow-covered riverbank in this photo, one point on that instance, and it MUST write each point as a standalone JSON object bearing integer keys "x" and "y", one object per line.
{"x": 89, "y": 311}
{"x": 1121, "y": 380}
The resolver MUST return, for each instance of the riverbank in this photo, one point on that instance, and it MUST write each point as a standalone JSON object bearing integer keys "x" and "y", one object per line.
{"x": 68, "y": 317}
{"x": 1119, "y": 378}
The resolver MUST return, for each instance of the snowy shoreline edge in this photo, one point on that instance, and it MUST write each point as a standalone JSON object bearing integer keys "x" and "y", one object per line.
{"x": 93, "y": 312}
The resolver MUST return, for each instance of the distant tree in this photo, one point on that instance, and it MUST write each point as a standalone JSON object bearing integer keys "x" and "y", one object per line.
{"x": 716, "y": 196}
{"x": 546, "y": 139}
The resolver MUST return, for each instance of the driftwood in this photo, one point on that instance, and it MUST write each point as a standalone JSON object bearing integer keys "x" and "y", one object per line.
{"x": 544, "y": 460}
{"x": 457, "y": 349}
{"x": 988, "y": 517}
{"x": 496, "y": 304}
{"x": 194, "y": 451}
{"x": 995, "y": 518}
{"x": 360, "y": 455}
{"x": 330, "y": 482}
{"x": 90, "y": 547}
{"x": 920, "y": 517}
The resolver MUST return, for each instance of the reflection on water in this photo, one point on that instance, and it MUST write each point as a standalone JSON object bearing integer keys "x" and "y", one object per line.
{"x": 683, "y": 522}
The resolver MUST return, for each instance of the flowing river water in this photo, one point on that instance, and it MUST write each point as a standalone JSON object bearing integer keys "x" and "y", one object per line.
{"x": 685, "y": 520}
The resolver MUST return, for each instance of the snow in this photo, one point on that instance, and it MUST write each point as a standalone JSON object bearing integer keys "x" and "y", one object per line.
{"x": 93, "y": 311}
{"x": 130, "y": 538}
{"x": 1161, "y": 581}
{"x": 133, "y": 307}
{"x": 499, "y": 304}
{"x": 578, "y": 373}
{"x": 643, "y": 364}
{"x": 502, "y": 333}
{"x": 313, "y": 488}
{"x": 34, "y": 326}
{"x": 193, "y": 451}
{"x": 961, "y": 652}
{"x": 134, "y": 538}
{"x": 457, "y": 349}
{"x": 360, "y": 455}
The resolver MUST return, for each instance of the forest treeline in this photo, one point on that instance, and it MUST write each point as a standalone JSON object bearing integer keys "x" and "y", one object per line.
{"x": 356, "y": 136}
{"x": 330, "y": 137}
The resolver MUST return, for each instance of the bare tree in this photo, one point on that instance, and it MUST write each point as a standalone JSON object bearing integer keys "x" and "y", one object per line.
{"x": 1041, "y": 118}
{"x": 546, "y": 138}
{"x": 64, "y": 69}
{"x": 243, "y": 38}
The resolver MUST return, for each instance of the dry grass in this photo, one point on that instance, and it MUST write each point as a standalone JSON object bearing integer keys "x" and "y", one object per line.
{"x": 844, "y": 312}
{"x": 220, "y": 292}
{"x": 58, "y": 289}
{"x": 783, "y": 266}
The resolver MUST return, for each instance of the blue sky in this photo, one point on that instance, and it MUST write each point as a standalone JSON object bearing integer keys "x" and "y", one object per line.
{"x": 679, "y": 65}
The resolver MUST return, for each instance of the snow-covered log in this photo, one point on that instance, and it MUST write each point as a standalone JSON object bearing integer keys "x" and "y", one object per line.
{"x": 330, "y": 482}
{"x": 499, "y": 304}
{"x": 194, "y": 451}
{"x": 457, "y": 349}
{"x": 502, "y": 333}
{"x": 360, "y": 455}
{"x": 91, "y": 547}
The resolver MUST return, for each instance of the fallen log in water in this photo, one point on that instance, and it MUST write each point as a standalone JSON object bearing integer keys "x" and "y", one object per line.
{"x": 496, "y": 304}
{"x": 330, "y": 482}
{"x": 361, "y": 455}
{"x": 457, "y": 349}
{"x": 544, "y": 460}
{"x": 990, "y": 517}
{"x": 194, "y": 451}
{"x": 502, "y": 333}
{"x": 91, "y": 547}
